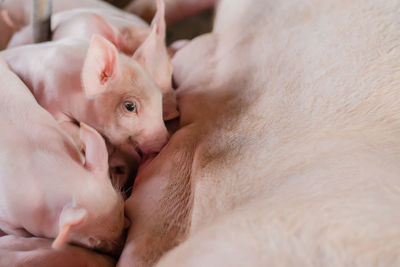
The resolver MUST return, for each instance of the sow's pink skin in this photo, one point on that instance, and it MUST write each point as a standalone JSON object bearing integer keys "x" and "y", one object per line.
{"x": 288, "y": 152}
{"x": 47, "y": 189}
{"x": 127, "y": 32}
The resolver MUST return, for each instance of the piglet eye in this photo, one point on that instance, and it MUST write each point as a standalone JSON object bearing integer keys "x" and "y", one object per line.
{"x": 130, "y": 106}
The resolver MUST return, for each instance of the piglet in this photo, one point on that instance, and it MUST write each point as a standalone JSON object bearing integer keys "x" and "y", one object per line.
{"x": 127, "y": 32}
{"x": 78, "y": 81}
{"x": 47, "y": 188}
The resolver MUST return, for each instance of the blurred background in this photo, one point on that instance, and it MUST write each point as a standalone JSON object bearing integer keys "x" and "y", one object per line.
{"x": 119, "y": 3}
{"x": 185, "y": 29}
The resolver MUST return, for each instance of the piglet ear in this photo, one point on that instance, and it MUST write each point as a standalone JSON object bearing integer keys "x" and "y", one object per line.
{"x": 69, "y": 217}
{"x": 152, "y": 55}
{"x": 159, "y": 19}
{"x": 96, "y": 155}
{"x": 100, "y": 65}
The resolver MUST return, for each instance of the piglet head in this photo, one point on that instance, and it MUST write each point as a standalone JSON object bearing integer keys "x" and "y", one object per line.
{"x": 95, "y": 216}
{"x": 126, "y": 104}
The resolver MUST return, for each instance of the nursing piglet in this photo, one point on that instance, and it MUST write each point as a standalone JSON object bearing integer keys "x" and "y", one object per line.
{"x": 78, "y": 81}
{"x": 47, "y": 189}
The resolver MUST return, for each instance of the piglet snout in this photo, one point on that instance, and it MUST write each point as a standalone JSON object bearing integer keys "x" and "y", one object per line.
{"x": 154, "y": 145}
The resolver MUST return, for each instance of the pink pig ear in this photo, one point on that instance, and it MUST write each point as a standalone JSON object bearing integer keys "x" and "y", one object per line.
{"x": 96, "y": 155}
{"x": 159, "y": 19}
{"x": 100, "y": 65}
{"x": 152, "y": 54}
{"x": 69, "y": 217}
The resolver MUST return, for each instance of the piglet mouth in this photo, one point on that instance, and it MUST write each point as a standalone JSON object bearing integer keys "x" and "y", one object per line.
{"x": 137, "y": 152}
{"x": 135, "y": 149}
{"x": 143, "y": 157}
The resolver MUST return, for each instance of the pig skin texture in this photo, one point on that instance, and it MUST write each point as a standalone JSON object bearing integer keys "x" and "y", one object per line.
{"x": 44, "y": 181}
{"x": 289, "y": 144}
